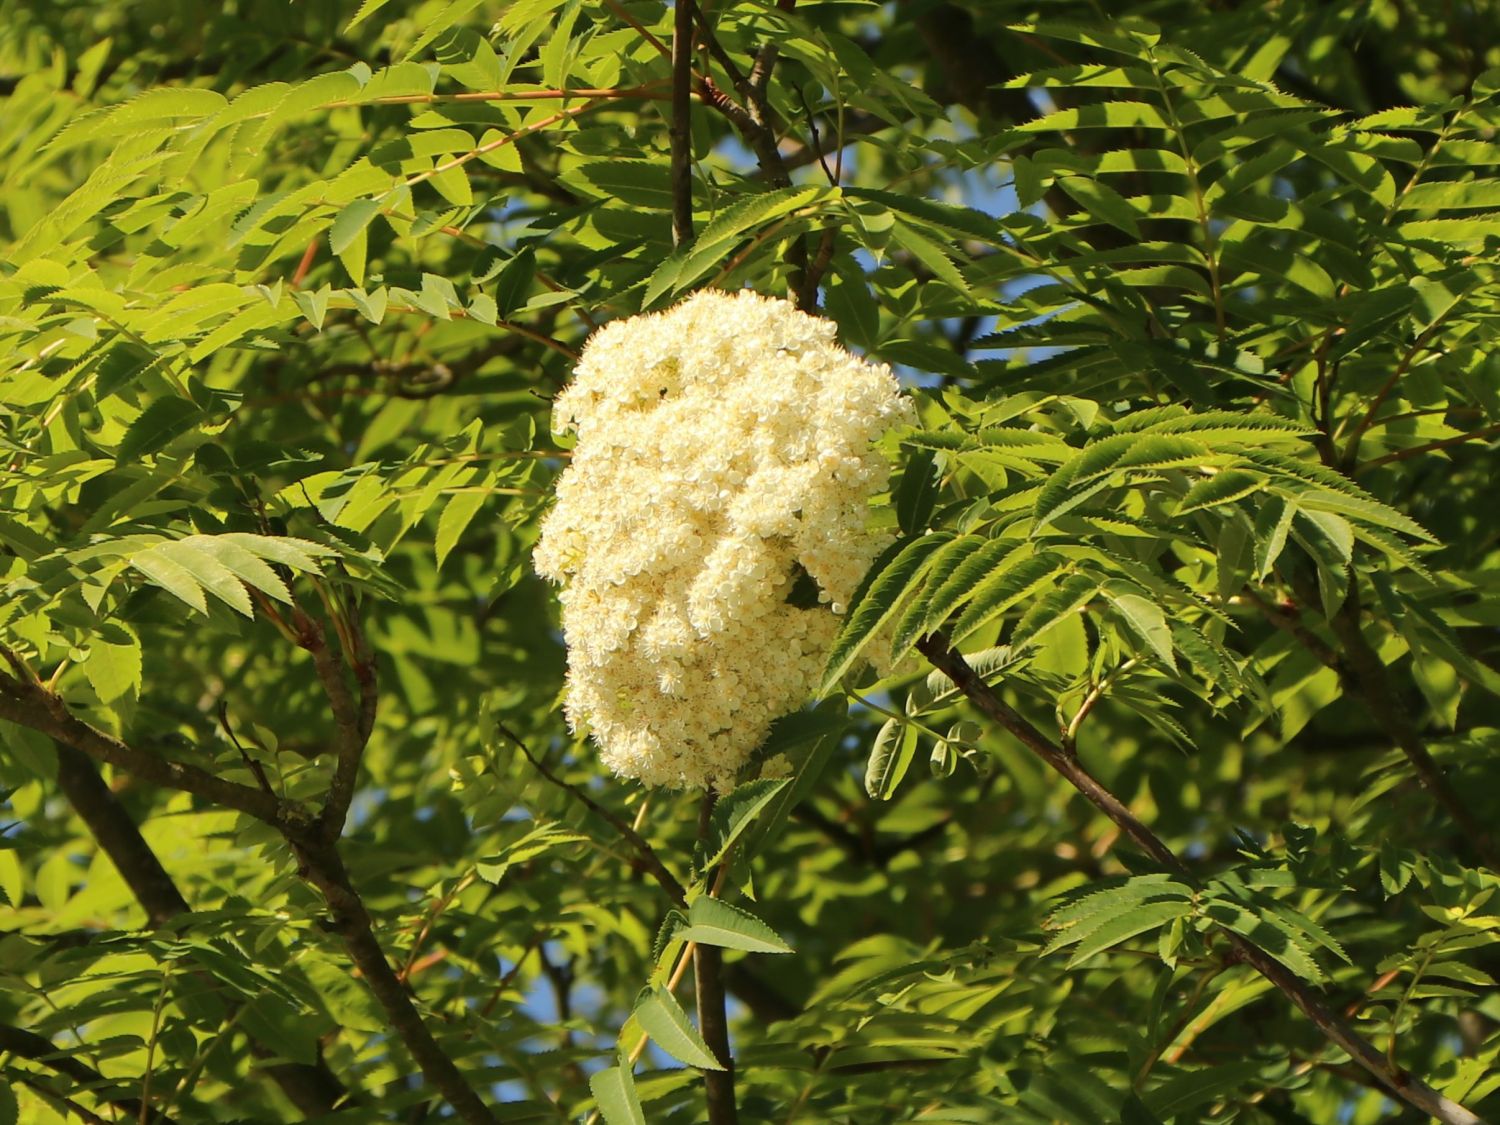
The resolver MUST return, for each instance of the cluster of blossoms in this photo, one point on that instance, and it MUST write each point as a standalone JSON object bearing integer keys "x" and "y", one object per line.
{"x": 724, "y": 450}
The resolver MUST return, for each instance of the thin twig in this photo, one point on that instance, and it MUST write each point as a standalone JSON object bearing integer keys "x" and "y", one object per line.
{"x": 1400, "y": 1085}
{"x": 250, "y": 763}
{"x": 643, "y": 849}
{"x": 1430, "y": 447}
{"x": 619, "y": 9}
{"x": 1365, "y": 674}
{"x": 351, "y": 724}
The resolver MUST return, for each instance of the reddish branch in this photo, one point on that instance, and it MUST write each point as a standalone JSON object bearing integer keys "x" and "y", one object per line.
{"x": 1394, "y": 1081}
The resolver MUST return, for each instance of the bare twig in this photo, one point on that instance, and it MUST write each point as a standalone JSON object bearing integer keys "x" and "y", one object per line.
{"x": 353, "y": 719}
{"x": 619, "y": 9}
{"x": 1429, "y": 447}
{"x": 753, "y": 122}
{"x": 1397, "y": 1083}
{"x": 1365, "y": 673}
{"x": 250, "y": 763}
{"x": 643, "y": 849}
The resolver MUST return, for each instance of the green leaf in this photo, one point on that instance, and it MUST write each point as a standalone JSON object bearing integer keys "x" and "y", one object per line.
{"x": 890, "y": 580}
{"x": 712, "y": 921}
{"x": 1147, "y": 620}
{"x": 890, "y": 757}
{"x": 925, "y": 612}
{"x": 614, "y": 1090}
{"x": 114, "y": 670}
{"x": 172, "y": 577}
{"x": 1054, "y": 607}
{"x": 1272, "y": 522}
{"x": 662, "y": 1018}
{"x": 1186, "y": 1092}
{"x": 165, "y": 419}
{"x": 751, "y": 211}
{"x": 1140, "y": 919}
{"x": 917, "y": 493}
{"x": 634, "y": 183}
{"x": 536, "y": 840}
{"x": 458, "y": 513}
{"x": 204, "y": 568}
{"x": 514, "y": 282}
{"x": 735, "y": 812}
{"x": 1011, "y": 582}
{"x": 351, "y": 222}
{"x": 1224, "y": 487}
{"x": 1102, "y": 202}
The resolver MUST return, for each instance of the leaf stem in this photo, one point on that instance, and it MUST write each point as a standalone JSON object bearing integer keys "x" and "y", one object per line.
{"x": 708, "y": 987}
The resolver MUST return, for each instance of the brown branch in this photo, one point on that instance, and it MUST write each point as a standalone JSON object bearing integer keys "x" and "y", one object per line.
{"x": 1430, "y": 447}
{"x": 644, "y": 851}
{"x": 35, "y": 707}
{"x": 1395, "y": 1082}
{"x": 681, "y": 130}
{"x": 353, "y": 719}
{"x": 708, "y": 987}
{"x": 754, "y": 124}
{"x": 321, "y": 864}
{"x": 312, "y": 1087}
{"x": 619, "y": 9}
{"x": 118, "y": 836}
{"x": 1286, "y": 619}
{"x": 29, "y": 1045}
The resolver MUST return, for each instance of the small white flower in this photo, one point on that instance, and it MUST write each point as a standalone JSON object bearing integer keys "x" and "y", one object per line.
{"x": 721, "y": 446}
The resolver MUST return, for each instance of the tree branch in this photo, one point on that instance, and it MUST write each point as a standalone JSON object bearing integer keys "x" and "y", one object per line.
{"x": 324, "y": 868}
{"x": 312, "y": 1087}
{"x": 753, "y": 123}
{"x": 29, "y": 1045}
{"x": 708, "y": 987}
{"x": 1431, "y": 447}
{"x": 117, "y": 835}
{"x": 353, "y": 720}
{"x": 1397, "y": 1083}
{"x": 34, "y": 706}
{"x": 681, "y": 133}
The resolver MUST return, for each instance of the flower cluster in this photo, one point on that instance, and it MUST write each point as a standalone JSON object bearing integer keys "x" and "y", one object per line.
{"x": 724, "y": 451}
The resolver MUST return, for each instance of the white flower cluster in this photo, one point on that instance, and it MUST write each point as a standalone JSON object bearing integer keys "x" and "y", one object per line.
{"x": 724, "y": 449}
